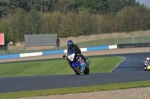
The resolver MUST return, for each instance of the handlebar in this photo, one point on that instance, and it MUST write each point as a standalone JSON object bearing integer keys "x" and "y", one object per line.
{"x": 64, "y": 56}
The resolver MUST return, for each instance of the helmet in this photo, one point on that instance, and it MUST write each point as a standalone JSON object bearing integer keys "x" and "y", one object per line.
{"x": 70, "y": 43}
{"x": 148, "y": 58}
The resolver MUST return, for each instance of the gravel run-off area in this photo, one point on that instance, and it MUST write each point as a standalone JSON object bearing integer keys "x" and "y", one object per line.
{"x": 134, "y": 93}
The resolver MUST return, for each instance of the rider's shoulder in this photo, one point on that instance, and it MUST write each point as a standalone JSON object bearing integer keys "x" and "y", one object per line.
{"x": 75, "y": 45}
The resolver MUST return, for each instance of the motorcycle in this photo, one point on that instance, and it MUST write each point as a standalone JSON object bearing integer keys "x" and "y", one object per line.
{"x": 77, "y": 63}
{"x": 147, "y": 66}
{"x": 144, "y": 63}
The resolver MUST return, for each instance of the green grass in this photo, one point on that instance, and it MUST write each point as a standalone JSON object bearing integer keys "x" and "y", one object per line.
{"x": 49, "y": 67}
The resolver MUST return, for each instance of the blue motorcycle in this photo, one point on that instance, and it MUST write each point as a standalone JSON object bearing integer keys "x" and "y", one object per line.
{"x": 77, "y": 63}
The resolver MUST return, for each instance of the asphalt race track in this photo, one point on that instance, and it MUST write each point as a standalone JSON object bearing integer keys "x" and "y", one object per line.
{"x": 131, "y": 69}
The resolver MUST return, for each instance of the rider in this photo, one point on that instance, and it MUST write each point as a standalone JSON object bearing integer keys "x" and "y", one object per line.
{"x": 147, "y": 60}
{"x": 75, "y": 48}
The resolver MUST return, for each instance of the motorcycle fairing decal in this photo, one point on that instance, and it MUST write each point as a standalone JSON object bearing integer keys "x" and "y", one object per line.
{"x": 80, "y": 61}
{"x": 75, "y": 64}
{"x": 148, "y": 67}
{"x": 83, "y": 66}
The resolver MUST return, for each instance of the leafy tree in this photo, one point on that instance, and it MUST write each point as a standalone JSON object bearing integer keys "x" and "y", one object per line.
{"x": 64, "y": 30}
{"x": 142, "y": 18}
{"x": 67, "y": 27}
{"x": 133, "y": 18}
{"x": 51, "y": 22}
{"x": 42, "y": 5}
{"x": 128, "y": 18}
{"x": 35, "y": 19}
{"x": 93, "y": 6}
{"x": 71, "y": 17}
{"x": 46, "y": 23}
{"x": 63, "y": 6}
{"x": 19, "y": 25}
{"x": 4, "y": 27}
{"x": 72, "y": 22}
{"x": 83, "y": 24}
{"x": 109, "y": 24}
{"x": 130, "y": 3}
{"x": 114, "y": 5}
{"x": 97, "y": 23}
{"x": 3, "y": 6}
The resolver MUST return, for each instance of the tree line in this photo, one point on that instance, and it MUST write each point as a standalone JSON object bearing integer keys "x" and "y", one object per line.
{"x": 70, "y": 17}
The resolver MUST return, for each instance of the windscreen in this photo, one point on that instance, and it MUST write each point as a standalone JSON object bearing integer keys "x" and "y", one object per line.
{"x": 70, "y": 52}
{"x": 71, "y": 55}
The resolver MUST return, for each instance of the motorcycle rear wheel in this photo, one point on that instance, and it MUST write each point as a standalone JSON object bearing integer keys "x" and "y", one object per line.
{"x": 86, "y": 71}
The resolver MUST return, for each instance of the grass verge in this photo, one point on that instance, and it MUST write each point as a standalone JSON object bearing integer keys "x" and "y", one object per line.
{"x": 48, "y": 67}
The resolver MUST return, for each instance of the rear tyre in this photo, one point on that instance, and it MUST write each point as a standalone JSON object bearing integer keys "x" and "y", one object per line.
{"x": 86, "y": 71}
{"x": 145, "y": 68}
{"x": 88, "y": 64}
{"x": 76, "y": 70}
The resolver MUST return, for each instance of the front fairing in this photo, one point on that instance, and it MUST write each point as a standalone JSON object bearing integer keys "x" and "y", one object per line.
{"x": 148, "y": 66}
{"x": 80, "y": 63}
{"x": 75, "y": 64}
{"x": 71, "y": 55}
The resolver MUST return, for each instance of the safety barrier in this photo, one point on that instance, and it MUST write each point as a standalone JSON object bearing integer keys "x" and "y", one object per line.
{"x": 10, "y": 56}
{"x": 31, "y": 54}
{"x": 57, "y": 52}
{"x": 133, "y": 45}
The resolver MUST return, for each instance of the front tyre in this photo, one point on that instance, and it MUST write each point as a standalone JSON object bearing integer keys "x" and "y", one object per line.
{"x": 77, "y": 71}
{"x": 145, "y": 68}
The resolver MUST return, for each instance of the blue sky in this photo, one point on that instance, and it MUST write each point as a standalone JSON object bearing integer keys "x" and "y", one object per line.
{"x": 145, "y": 2}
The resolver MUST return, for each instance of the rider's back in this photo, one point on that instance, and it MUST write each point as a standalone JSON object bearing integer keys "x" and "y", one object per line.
{"x": 75, "y": 48}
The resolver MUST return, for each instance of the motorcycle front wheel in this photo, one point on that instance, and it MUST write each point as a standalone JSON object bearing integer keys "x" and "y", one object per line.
{"x": 77, "y": 71}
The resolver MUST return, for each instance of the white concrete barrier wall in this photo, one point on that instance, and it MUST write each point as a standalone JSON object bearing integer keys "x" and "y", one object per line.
{"x": 61, "y": 51}
{"x": 65, "y": 51}
{"x": 112, "y": 46}
{"x": 82, "y": 50}
{"x": 31, "y": 54}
